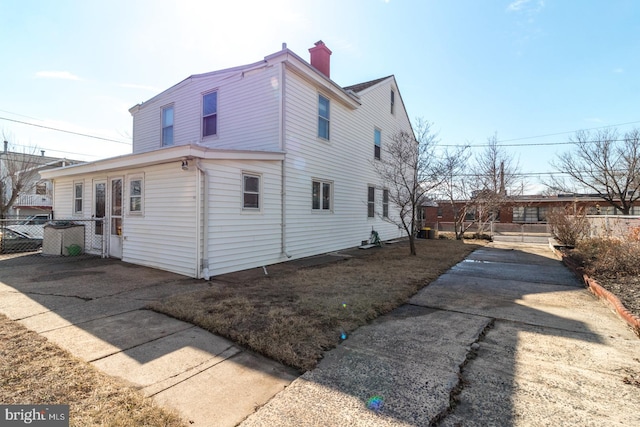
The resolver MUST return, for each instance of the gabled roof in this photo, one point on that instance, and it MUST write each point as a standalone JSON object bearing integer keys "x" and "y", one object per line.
{"x": 362, "y": 86}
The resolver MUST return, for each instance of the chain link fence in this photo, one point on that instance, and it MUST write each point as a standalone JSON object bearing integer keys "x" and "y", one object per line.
{"x": 512, "y": 232}
{"x": 33, "y": 236}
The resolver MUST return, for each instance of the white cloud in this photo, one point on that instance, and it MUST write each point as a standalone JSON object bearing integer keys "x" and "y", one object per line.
{"x": 529, "y": 5}
{"x": 64, "y": 75}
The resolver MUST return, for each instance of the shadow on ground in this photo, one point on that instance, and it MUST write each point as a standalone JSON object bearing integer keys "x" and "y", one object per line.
{"x": 507, "y": 337}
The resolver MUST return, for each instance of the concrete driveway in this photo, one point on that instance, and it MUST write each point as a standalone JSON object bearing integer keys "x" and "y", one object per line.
{"x": 507, "y": 337}
{"x": 94, "y": 308}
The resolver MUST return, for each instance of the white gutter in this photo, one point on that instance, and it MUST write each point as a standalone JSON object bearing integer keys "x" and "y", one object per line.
{"x": 205, "y": 226}
{"x": 155, "y": 157}
{"x": 283, "y": 174}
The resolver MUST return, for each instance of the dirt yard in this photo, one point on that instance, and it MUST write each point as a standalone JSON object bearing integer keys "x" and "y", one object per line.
{"x": 297, "y": 315}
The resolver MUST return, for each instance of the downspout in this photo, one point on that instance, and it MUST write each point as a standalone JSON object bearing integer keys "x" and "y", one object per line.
{"x": 283, "y": 174}
{"x": 205, "y": 226}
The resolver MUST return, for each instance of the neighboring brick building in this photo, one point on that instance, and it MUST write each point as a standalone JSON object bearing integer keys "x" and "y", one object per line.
{"x": 527, "y": 209}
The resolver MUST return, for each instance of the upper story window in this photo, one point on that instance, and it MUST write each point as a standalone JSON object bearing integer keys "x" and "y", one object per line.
{"x": 323, "y": 117}
{"x": 250, "y": 191}
{"x": 167, "y": 126}
{"x": 210, "y": 114}
{"x": 377, "y": 140}
{"x": 41, "y": 188}
{"x": 393, "y": 101}
{"x": 371, "y": 202}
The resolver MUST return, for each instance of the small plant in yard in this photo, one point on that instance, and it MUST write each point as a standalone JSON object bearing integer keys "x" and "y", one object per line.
{"x": 609, "y": 257}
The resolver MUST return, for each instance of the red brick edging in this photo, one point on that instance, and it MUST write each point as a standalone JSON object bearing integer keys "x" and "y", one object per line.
{"x": 604, "y": 294}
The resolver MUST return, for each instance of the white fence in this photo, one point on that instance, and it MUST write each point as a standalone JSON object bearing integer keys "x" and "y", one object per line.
{"x": 616, "y": 226}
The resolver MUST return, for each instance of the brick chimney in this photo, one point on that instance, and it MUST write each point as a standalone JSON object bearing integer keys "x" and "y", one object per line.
{"x": 321, "y": 58}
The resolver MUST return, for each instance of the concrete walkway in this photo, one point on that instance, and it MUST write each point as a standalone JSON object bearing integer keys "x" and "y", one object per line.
{"x": 508, "y": 335}
{"x": 94, "y": 308}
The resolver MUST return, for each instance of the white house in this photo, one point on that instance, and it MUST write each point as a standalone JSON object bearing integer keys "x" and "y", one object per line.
{"x": 242, "y": 168}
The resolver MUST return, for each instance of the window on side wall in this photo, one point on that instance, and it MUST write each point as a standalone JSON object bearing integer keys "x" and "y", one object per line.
{"x": 393, "y": 101}
{"x": 136, "y": 193}
{"x": 210, "y": 114}
{"x": 385, "y": 203}
{"x": 371, "y": 202}
{"x": 377, "y": 140}
{"x": 323, "y": 117}
{"x": 321, "y": 195}
{"x": 167, "y": 126}
{"x": 250, "y": 191}
{"x": 78, "y": 193}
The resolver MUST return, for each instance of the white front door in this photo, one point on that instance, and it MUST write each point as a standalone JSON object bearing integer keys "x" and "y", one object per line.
{"x": 115, "y": 218}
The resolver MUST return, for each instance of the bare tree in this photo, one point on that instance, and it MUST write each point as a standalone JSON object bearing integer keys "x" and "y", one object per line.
{"x": 477, "y": 187}
{"x": 18, "y": 173}
{"x": 455, "y": 188}
{"x": 409, "y": 170}
{"x": 494, "y": 177}
{"x": 602, "y": 163}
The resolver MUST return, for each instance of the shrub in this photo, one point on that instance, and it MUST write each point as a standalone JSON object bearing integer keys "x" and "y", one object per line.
{"x": 609, "y": 257}
{"x": 567, "y": 226}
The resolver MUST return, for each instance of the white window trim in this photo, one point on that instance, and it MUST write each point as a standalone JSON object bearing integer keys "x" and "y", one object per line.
{"x": 321, "y": 138}
{"x": 80, "y": 212}
{"x": 162, "y": 126}
{"x": 131, "y": 178}
{"x": 385, "y": 204}
{"x": 378, "y": 130}
{"x": 395, "y": 100}
{"x": 202, "y": 116}
{"x": 374, "y": 201}
{"x": 260, "y": 207}
{"x": 331, "y": 189}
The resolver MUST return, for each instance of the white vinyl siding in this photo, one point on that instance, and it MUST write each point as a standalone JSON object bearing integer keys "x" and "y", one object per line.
{"x": 346, "y": 162}
{"x": 237, "y": 241}
{"x": 248, "y": 106}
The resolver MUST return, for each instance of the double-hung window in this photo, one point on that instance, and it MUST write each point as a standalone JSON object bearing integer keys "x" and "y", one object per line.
{"x": 371, "y": 202}
{"x": 323, "y": 117}
{"x": 385, "y": 203}
{"x": 135, "y": 195}
{"x": 250, "y": 191}
{"x": 78, "y": 190}
{"x": 321, "y": 195}
{"x": 377, "y": 140}
{"x": 210, "y": 114}
{"x": 167, "y": 126}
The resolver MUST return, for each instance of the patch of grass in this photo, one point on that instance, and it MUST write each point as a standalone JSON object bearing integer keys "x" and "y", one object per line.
{"x": 35, "y": 371}
{"x": 295, "y": 317}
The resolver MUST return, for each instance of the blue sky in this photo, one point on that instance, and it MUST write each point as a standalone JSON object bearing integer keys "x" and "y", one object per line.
{"x": 521, "y": 68}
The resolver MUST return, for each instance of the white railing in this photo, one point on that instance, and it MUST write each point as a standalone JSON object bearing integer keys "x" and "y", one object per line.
{"x": 33, "y": 200}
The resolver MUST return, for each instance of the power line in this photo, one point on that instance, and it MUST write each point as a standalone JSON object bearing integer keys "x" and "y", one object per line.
{"x": 65, "y": 131}
{"x": 532, "y": 144}
{"x": 571, "y": 131}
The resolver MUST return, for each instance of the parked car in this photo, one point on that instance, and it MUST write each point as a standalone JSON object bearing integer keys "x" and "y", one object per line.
{"x": 12, "y": 241}
{"x": 32, "y": 226}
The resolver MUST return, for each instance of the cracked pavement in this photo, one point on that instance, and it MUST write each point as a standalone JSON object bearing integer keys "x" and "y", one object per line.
{"x": 507, "y": 337}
